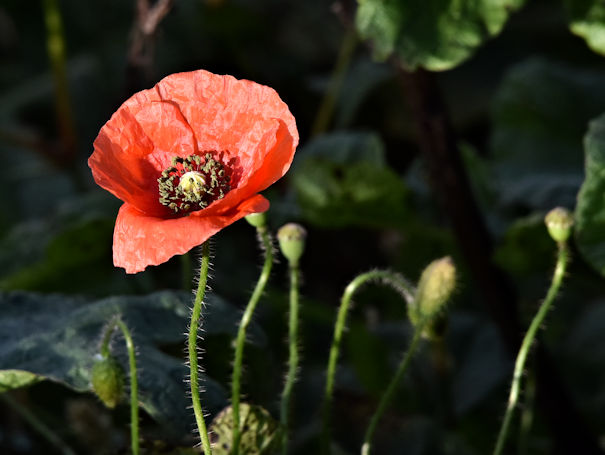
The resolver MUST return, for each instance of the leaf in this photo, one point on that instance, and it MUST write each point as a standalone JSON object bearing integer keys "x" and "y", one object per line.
{"x": 57, "y": 337}
{"x": 13, "y": 379}
{"x": 342, "y": 180}
{"x": 540, "y": 115}
{"x": 434, "y": 34}
{"x": 587, "y": 19}
{"x": 590, "y": 210}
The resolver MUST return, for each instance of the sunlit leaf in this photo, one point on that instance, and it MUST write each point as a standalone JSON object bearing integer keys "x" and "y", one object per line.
{"x": 341, "y": 179}
{"x": 587, "y": 19}
{"x": 433, "y": 34}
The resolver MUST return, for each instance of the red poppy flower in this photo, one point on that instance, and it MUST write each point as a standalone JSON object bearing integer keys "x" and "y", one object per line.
{"x": 188, "y": 157}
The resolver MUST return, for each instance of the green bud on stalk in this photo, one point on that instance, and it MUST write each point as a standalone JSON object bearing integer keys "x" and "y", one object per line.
{"x": 559, "y": 222}
{"x": 260, "y": 433}
{"x": 108, "y": 381}
{"x": 436, "y": 285}
{"x": 257, "y": 220}
{"x": 291, "y": 239}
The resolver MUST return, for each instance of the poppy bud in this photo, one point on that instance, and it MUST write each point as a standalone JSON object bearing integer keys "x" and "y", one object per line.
{"x": 108, "y": 381}
{"x": 559, "y": 222}
{"x": 292, "y": 241}
{"x": 258, "y": 220}
{"x": 260, "y": 433}
{"x": 437, "y": 282}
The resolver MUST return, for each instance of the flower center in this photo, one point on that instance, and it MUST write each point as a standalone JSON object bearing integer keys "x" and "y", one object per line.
{"x": 193, "y": 183}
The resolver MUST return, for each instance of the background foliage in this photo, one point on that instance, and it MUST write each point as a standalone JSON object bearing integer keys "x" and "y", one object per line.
{"x": 524, "y": 94}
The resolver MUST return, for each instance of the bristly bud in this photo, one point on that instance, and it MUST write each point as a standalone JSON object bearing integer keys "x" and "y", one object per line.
{"x": 559, "y": 222}
{"x": 260, "y": 433}
{"x": 258, "y": 220}
{"x": 108, "y": 381}
{"x": 292, "y": 241}
{"x": 436, "y": 285}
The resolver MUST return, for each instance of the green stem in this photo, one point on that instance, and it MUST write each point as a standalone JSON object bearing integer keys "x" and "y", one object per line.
{"x": 391, "y": 278}
{"x": 293, "y": 355}
{"x": 56, "y": 51}
{"x": 192, "y": 348}
{"x": 326, "y": 108}
{"x": 132, "y": 364}
{"x": 134, "y": 388}
{"x": 38, "y": 425}
{"x": 527, "y": 415}
{"x": 388, "y": 394}
{"x": 526, "y": 345}
{"x": 265, "y": 237}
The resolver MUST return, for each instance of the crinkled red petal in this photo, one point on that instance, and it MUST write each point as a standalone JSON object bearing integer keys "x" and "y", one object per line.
{"x": 141, "y": 240}
{"x": 189, "y": 113}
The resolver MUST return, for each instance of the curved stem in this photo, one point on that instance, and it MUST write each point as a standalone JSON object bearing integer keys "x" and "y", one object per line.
{"x": 192, "y": 348}
{"x": 526, "y": 345}
{"x": 134, "y": 388}
{"x": 265, "y": 237}
{"x": 293, "y": 355}
{"x": 391, "y": 278}
{"x": 388, "y": 394}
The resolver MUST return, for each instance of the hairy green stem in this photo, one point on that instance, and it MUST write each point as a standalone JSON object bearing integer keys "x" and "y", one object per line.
{"x": 265, "y": 237}
{"x": 388, "y": 394}
{"x": 132, "y": 365}
{"x": 293, "y": 356}
{"x": 513, "y": 397}
{"x": 134, "y": 388}
{"x": 38, "y": 425}
{"x": 192, "y": 348}
{"x": 388, "y": 277}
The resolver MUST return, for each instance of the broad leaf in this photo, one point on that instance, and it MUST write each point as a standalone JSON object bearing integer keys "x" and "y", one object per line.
{"x": 540, "y": 115}
{"x": 433, "y": 34}
{"x": 341, "y": 179}
{"x": 57, "y": 337}
{"x": 587, "y": 19}
{"x": 590, "y": 210}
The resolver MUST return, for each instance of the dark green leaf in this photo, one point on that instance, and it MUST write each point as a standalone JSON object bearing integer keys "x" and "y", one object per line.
{"x": 590, "y": 210}
{"x": 57, "y": 338}
{"x": 540, "y": 115}
{"x": 433, "y": 34}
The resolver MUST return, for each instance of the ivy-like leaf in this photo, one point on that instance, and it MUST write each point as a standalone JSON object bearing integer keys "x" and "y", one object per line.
{"x": 590, "y": 210}
{"x": 434, "y": 34}
{"x": 587, "y": 19}
{"x": 57, "y": 337}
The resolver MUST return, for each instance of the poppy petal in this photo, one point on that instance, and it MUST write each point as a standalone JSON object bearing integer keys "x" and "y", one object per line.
{"x": 140, "y": 240}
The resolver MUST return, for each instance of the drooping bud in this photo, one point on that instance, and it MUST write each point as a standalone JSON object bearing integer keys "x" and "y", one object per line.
{"x": 436, "y": 285}
{"x": 559, "y": 222}
{"x": 257, "y": 220}
{"x": 292, "y": 241}
{"x": 260, "y": 433}
{"x": 108, "y": 381}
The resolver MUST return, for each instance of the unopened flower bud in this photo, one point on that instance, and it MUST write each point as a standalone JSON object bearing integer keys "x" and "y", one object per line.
{"x": 436, "y": 285}
{"x": 292, "y": 241}
{"x": 260, "y": 433}
{"x": 559, "y": 222}
{"x": 257, "y": 220}
{"x": 108, "y": 381}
